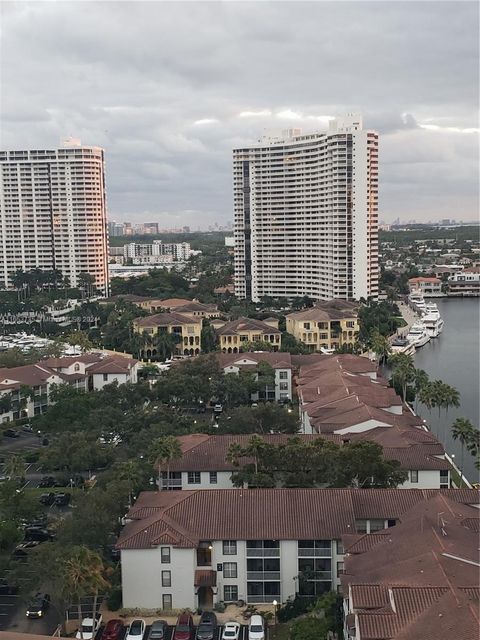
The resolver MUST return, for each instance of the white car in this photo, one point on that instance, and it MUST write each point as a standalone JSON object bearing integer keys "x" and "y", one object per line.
{"x": 136, "y": 630}
{"x": 231, "y": 631}
{"x": 89, "y": 627}
{"x": 256, "y": 628}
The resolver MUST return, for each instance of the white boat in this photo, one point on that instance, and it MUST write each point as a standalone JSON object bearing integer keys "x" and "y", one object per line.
{"x": 433, "y": 320}
{"x": 417, "y": 301}
{"x": 418, "y": 335}
{"x": 402, "y": 345}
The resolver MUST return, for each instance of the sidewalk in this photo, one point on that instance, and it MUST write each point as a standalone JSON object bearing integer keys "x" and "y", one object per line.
{"x": 409, "y": 316}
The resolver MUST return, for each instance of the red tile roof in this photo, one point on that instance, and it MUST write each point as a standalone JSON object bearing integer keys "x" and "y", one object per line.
{"x": 235, "y": 327}
{"x": 165, "y": 319}
{"x": 256, "y": 514}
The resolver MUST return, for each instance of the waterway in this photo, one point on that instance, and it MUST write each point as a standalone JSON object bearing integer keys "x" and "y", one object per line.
{"x": 454, "y": 358}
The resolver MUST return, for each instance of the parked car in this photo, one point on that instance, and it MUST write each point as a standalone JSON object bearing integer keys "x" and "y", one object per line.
{"x": 256, "y": 628}
{"x": 62, "y": 499}
{"x": 184, "y": 627}
{"x": 113, "y": 630}
{"x": 47, "y": 499}
{"x": 89, "y": 627}
{"x": 136, "y": 630}
{"x": 217, "y": 408}
{"x": 28, "y": 428}
{"x": 38, "y": 605}
{"x": 46, "y": 482}
{"x": 231, "y": 631}
{"x": 158, "y": 630}
{"x": 21, "y": 550}
{"x": 38, "y": 534}
{"x": 7, "y": 589}
{"x": 11, "y": 433}
{"x": 207, "y": 627}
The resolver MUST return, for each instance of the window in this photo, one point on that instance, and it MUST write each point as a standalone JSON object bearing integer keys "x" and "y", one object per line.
{"x": 361, "y": 526}
{"x": 413, "y": 476}
{"x": 230, "y": 593}
{"x": 306, "y": 326}
{"x": 350, "y": 324}
{"x": 229, "y": 569}
{"x": 165, "y": 554}
{"x": 213, "y": 477}
{"x": 340, "y": 548}
{"x": 166, "y": 578}
{"x": 229, "y": 547}
{"x": 444, "y": 479}
{"x": 105, "y": 377}
{"x": 283, "y": 386}
{"x": 283, "y": 375}
{"x": 194, "y": 477}
{"x": 377, "y": 525}
{"x": 340, "y": 568}
{"x": 391, "y": 523}
{"x": 167, "y": 602}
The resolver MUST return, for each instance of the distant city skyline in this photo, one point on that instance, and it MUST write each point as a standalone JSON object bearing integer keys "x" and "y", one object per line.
{"x": 168, "y": 111}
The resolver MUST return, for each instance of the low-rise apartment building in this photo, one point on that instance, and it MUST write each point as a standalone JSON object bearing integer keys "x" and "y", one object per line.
{"x": 28, "y": 387}
{"x": 419, "y": 580}
{"x": 191, "y": 308}
{"x": 232, "y": 335}
{"x": 465, "y": 283}
{"x": 193, "y": 549}
{"x": 281, "y": 363}
{"x": 428, "y": 287}
{"x": 327, "y": 325}
{"x": 188, "y": 332}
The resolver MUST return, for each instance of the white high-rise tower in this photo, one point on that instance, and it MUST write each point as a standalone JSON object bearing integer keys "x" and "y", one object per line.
{"x": 53, "y": 213}
{"x": 306, "y": 214}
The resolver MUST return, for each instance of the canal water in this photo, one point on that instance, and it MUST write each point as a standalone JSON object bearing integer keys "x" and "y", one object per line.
{"x": 454, "y": 358}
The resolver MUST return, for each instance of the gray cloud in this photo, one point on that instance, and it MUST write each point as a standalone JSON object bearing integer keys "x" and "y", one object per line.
{"x": 162, "y": 85}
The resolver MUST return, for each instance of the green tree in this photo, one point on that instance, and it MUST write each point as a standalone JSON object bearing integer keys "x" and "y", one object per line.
{"x": 463, "y": 431}
{"x": 309, "y": 628}
{"x": 79, "y": 339}
{"x": 15, "y": 468}
{"x": 420, "y": 381}
{"x": 361, "y": 464}
{"x": 162, "y": 453}
{"x": 380, "y": 345}
{"x": 208, "y": 337}
{"x": 265, "y": 418}
{"x": 403, "y": 371}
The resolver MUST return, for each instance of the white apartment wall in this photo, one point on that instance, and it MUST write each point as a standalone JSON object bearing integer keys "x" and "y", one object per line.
{"x": 141, "y": 578}
{"x": 427, "y": 479}
{"x": 240, "y": 558}
{"x": 288, "y": 568}
{"x": 223, "y": 481}
{"x": 183, "y": 577}
{"x": 360, "y": 256}
{"x": 99, "y": 382}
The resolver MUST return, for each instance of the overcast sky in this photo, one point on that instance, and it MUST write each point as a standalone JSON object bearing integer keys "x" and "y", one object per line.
{"x": 169, "y": 88}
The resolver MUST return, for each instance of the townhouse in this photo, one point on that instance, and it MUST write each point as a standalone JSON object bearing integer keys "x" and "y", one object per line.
{"x": 327, "y": 325}
{"x": 418, "y": 580}
{"x": 281, "y": 363}
{"x": 189, "y": 549}
{"x": 187, "y": 331}
{"x": 27, "y": 389}
{"x": 428, "y": 287}
{"x": 344, "y": 399}
{"x": 232, "y": 335}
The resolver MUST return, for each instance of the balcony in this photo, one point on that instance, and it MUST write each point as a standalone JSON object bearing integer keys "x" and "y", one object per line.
{"x": 315, "y": 553}
{"x": 263, "y": 575}
{"x": 267, "y": 599}
{"x": 263, "y": 553}
{"x": 173, "y": 483}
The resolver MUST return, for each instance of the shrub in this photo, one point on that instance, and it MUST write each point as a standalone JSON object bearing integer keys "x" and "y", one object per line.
{"x": 114, "y": 600}
{"x": 294, "y": 608}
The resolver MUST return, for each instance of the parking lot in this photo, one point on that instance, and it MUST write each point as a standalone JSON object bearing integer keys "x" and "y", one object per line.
{"x": 243, "y": 633}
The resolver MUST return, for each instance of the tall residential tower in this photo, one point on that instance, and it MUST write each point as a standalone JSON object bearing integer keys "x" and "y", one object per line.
{"x": 53, "y": 213}
{"x": 306, "y": 214}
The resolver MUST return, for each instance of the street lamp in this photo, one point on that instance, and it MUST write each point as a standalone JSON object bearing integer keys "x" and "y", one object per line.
{"x": 275, "y": 603}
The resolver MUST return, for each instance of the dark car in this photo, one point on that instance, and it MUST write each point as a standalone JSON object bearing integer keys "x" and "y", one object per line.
{"x": 47, "y": 499}
{"x": 38, "y": 605}
{"x": 11, "y": 433}
{"x": 7, "y": 589}
{"x": 47, "y": 482}
{"x": 158, "y": 630}
{"x": 184, "y": 627}
{"x": 62, "y": 481}
{"x": 207, "y": 627}
{"x": 113, "y": 630}
{"x": 62, "y": 499}
{"x": 38, "y": 534}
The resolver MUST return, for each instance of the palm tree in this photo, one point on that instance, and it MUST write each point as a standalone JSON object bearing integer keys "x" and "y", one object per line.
{"x": 380, "y": 345}
{"x": 420, "y": 381}
{"x": 462, "y": 430}
{"x": 130, "y": 473}
{"x": 162, "y": 452}
{"x": 84, "y": 573}
{"x": 403, "y": 371}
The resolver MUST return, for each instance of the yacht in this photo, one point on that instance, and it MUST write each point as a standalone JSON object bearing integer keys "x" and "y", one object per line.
{"x": 418, "y": 335}
{"x": 402, "y": 345}
{"x": 433, "y": 320}
{"x": 417, "y": 301}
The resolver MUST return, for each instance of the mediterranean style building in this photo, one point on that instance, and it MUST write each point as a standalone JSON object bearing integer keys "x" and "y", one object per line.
{"x": 189, "y": 549}
{"x": 187, "y": 329}
{"x": 232, "y": 335}
{"x": 327, "y": 325}
{"x": 53, "y": 213}
{"x": 306, "y": 214}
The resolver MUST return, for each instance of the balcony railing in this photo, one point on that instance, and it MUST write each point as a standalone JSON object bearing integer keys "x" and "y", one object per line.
{"x": 263, "y": 575}
{"x": 172, "y": 482}
{"x": 263, "y": 553}
{"x": 315, "y": 553}
{"x": 263, "y": 599}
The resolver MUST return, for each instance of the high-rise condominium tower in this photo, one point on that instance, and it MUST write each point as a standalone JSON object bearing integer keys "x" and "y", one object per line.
{"x": 53, "y": 213}
{"x": 306, "y": 214}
